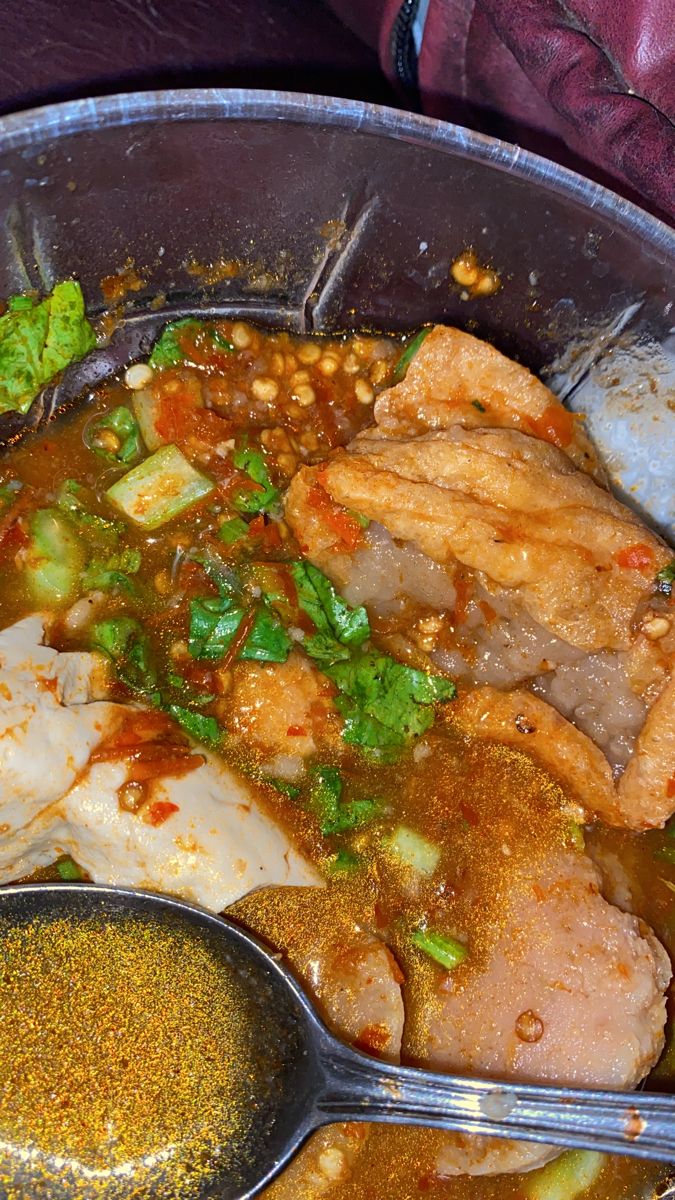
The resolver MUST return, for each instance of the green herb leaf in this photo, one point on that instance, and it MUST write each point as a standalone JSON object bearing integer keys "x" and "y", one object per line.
{"x": 665, "y": 578}
{"x": 68, "y": 869}
{"x": 222, "y": 342}
{"x": 282, "y": 785}
{"x": 199, "y": 726}
{"x": 331, "y": 615}
{"x": 409, "y": 353}
{"x": 336, "y": 815}
{"x": 73, "y": 499}
{"x": 168, "y": 350}
{"x": 37, "y": 340}
{"x": 232, "y": 531}
{"x": 384, "y": 702}
{"x": 127, "y": 645}
{"x": 265, "y": 498}
{"x": 113, "y": 572}
{"x": 214, "y": 620}
{"x": 477, "y": 404}
{"x": 345, "y": 862}
{"x": 115, "y": 436}
{"x": 445, "y": 951}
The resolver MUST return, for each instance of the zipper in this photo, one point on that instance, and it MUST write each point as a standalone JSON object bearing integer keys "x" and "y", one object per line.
{"x": 403, "y": 50}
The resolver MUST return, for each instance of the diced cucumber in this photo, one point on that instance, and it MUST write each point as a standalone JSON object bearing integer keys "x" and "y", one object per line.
{"x": 566, "y": 1177}
{"x": 160, "y": 488}
{"x": 414, "y": 850}
{"x": 55, "y": 557}
{"x": 146, "y": 411}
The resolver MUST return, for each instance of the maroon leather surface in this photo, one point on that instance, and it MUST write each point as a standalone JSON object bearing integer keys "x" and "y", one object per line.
{"x": 595, "y": 78}
{"x": 61, "y": 49}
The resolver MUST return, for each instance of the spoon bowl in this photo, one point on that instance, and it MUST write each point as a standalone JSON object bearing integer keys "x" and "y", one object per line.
{"x": 307, "y": 1078}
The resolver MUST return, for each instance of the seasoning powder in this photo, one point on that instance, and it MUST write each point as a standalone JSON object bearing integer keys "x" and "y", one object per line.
{"x": 127, "y": 1064}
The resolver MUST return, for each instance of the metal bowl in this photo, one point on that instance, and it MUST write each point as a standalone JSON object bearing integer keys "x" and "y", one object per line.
{"x": 321, "y": 214}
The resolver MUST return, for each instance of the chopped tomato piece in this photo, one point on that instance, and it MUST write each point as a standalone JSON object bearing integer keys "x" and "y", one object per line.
{"x": 670, "y": 787}
{"x": 159, "y": 811}
{"x": 636, "y": 557}
{"x": 296, "y": 731}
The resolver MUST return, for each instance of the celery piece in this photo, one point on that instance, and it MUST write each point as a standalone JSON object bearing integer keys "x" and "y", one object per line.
{"x": 565, "y": 1178}
{"x": 445, "y": 951}
{"x": 54, "y": 558}
{"x": 145, "y": 412}
{"x": 160, "y": 488}
{"x": 414, "y": 850}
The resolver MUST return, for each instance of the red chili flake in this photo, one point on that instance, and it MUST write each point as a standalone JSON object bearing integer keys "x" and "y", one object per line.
{"x": 336, "y": 518}
{"x": 373, "y": 1039}
{"x": 159, "y": 811}
{"x": 256, "y": 526}
{"x": 670, "y": 787}
{"x": 296, "y": 731}
{"x": 636, "y": 557}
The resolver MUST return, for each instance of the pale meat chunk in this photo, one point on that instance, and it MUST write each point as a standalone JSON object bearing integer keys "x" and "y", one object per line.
{"x": 283, "y": 708}
{"x": 457, "y": 379}
{"x": 214, "y": 842}
{"x": 572, "y": 993}
{"x": 515, "y": 510}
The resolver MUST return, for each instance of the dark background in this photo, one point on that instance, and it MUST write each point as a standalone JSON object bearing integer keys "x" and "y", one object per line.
{"x": 53, "y": 50}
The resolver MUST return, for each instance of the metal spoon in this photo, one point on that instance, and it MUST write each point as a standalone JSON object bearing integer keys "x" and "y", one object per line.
{"x": 319, "y": 1080}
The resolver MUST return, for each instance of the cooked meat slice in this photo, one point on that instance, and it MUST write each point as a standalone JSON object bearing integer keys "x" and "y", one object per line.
{"x": 457, "y": 379}
{"x": 643, "y": 798}
{"x": 572, "y": 993}
{"x": 283, "y": 708}
{"x": 511, "y": 508}
{"x": 203, "y": 835}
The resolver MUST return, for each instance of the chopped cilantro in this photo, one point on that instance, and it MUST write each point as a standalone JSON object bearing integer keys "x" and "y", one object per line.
{"x": 214, "y": 620}
{"x": 222, "y": 342}
{"x": 345, "y": 862}
{"x": 232, "y": 531}
{"x": 124, "y": 641}
{"x": 265, "y": 497}
{"x": 113, "y": 572}
{"x": 199, "y": 726}
{"x": 336, "y": 815}
{"x": 477, "y": 404}
{"x": 168, "y": 351}
{"x": 115, "y": 436}
{"x": 665, "y": 578}
{"x": 282, "y": 785}
{"x": 68, "y": 869}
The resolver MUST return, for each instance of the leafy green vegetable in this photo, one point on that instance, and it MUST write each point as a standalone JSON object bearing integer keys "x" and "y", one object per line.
{"x": 345, "y": 862}
{"x": 384, "y": 702}
{"x": 159, "y": 488}
{"x": 282, "y": 785}
{"x": 447, "y": 952}
{"x": 222, "y": 342}
{"x": 127, "y": 645}
{"x": 168, "y": 351}
{"x": 112, "y": 572}
{"x": 665, "y": 578}
{"x": 232, "y": 531}
{"x": 214, "y": 620}
{"x": 100, "y": 533}
{"x": 115, "y": 436}
{"x": 331, "y": 615}
{"x": 414, "y": 850}
{"x": 409, "y": 353}
{"x": 37, "y": 340}
{"x": 54, "y": 557}
{"x": 68, "y": 869}
{"x": 567, "y": 1177}
{"x": 198, "y": 725}
{"x": 336, "y": 815}
{"x": 265, "y": 497}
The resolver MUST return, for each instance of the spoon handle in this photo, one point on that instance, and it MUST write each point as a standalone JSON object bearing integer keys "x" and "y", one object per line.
{"x": 358, "y": 1089}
